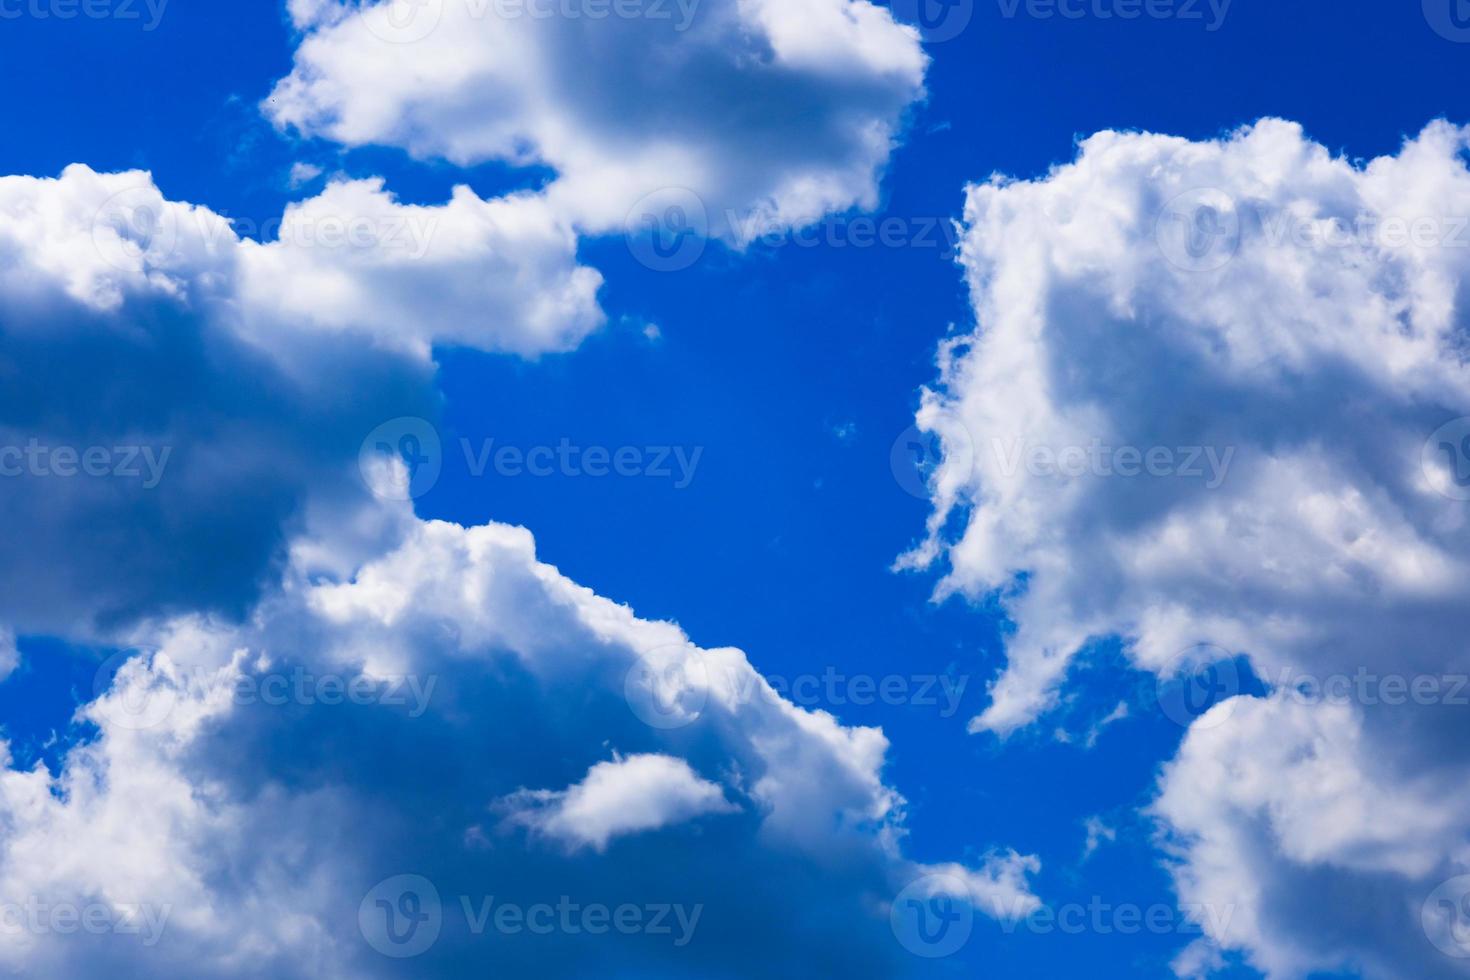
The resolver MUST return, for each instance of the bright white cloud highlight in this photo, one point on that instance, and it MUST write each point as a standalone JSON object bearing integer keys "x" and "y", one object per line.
{"x": 779, "y": 111}
{"x": 1212, "y": 398}
{"x": 625, "y": 796}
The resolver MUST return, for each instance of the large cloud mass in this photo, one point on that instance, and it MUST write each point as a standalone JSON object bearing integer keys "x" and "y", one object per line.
{"x": 778, "y": 111}
{"x": 253, "y": 785}
{"x": 222, "y": 384}
{"x": 1212, "y": 398}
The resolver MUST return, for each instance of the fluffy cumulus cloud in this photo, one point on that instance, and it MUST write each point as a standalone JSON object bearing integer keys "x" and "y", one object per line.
{"x": 174, "y": 396}
{"x": 624, "y": 796}
{"x": 775, "y": 111}
{"x": 328, "y": 720}
{"x": 241, "y": 376}
{"x": 1216, "y": 395}
{"x": 399, "y": 711}
{"x": 1319, "y": 841}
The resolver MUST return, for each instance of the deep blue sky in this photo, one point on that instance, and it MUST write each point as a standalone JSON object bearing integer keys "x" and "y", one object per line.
{"x": 783, "y": 542}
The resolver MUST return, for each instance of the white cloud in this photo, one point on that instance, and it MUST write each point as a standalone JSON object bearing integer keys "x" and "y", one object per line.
{"x": 261, "y": 824}
{"x": 1284, "y": 330}
{"x": 625, "y": 796}
{"x": 1287, "y": 392}
{"x": 303, "y": 173}
{"x": 778, "y": 110}
{"x": 1321, "y": 835}
{"x": 237, "y": 379}
{"x": 498, "y": 275}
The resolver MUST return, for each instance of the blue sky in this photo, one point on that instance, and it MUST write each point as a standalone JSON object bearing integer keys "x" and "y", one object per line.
{"x": 792, "y": 370}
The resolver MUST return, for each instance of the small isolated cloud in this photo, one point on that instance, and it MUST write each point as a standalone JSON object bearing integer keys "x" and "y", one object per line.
{"x": 304, "y": 173}
{"x": 625, "y": 796}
